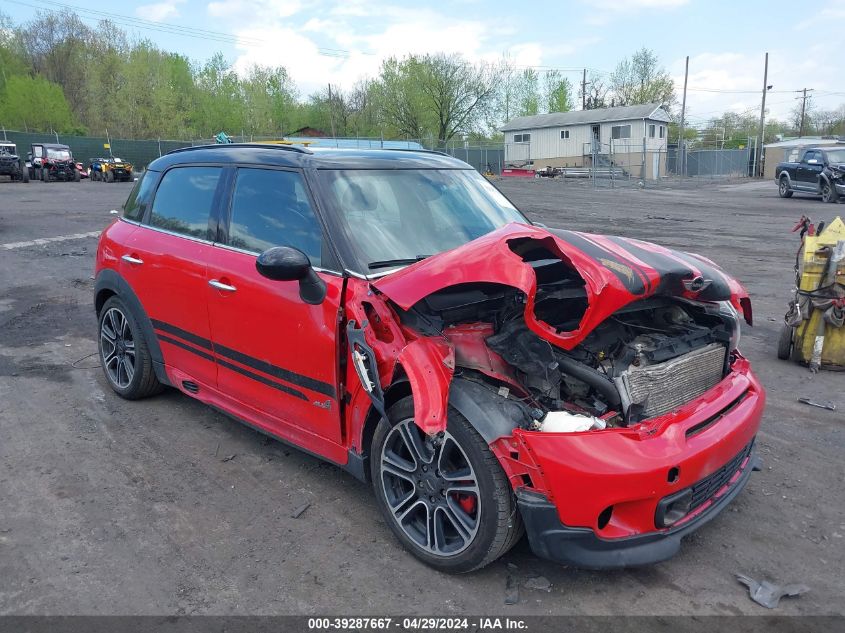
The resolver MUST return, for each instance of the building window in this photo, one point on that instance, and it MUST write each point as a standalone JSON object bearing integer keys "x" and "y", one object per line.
{"x": 521, "y": 138}
{"x": 564, "y": 135}
{"x": 651, "y": 130}
{"x": 662, "y": 131}
{"x": 620, "y": 131}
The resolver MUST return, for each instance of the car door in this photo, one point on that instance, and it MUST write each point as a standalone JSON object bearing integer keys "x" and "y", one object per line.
{"x": 809, "y": 169}
{"x": 165, "y": 264}
{"x": 275, "y": 353}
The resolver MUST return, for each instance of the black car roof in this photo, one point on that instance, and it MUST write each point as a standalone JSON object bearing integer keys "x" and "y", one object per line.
{"x": 315, "y": 157}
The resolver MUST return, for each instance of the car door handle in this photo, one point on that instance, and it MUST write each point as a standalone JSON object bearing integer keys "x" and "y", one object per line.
{"x": 214, "y": 283}
{"x": 132, "y": 260}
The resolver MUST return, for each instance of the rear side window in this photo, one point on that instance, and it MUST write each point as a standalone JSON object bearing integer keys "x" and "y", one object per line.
{"x": 184, "y": 200}
{"x": 138, "y": 199}
{"x": 270, "y": 208}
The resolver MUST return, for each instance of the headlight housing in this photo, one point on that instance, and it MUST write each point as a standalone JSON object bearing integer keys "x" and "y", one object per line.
{"x": 727, "y": 309}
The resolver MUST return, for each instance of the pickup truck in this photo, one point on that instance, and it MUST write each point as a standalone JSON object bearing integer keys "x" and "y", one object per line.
{"x": 820, "y": 172}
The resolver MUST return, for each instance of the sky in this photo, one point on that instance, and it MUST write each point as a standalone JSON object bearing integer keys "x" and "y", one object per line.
{"x": 340, "y": 41}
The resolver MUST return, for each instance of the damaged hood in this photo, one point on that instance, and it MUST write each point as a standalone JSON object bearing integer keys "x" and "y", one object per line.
{"x": 616, "y": 271}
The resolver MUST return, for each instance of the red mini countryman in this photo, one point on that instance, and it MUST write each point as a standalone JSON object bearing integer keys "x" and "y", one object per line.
{"x": 394, "y": 314}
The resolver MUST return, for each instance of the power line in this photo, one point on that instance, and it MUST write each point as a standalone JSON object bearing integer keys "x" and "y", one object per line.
{"x": 164, "y": 27}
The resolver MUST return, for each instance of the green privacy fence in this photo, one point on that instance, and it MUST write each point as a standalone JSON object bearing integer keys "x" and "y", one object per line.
{"x": 139, "y": 153}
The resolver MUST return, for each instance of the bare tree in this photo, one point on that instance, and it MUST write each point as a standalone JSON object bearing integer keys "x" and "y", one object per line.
{"x": 596, "y": 92}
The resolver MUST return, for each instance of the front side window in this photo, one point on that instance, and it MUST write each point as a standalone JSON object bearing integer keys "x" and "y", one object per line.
{"x": 271, "y": 208}
{"x": 184, "y": 200}
{"x": 811, "y": 155}
{"x": 394, "y": 217}
{"x": 620, "y": 131}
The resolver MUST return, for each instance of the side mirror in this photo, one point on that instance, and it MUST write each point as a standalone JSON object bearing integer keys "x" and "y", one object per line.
{"x": 285, "y": 263}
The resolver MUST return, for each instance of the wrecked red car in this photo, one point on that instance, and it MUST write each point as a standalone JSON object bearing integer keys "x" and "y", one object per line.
{"x": 394, "y": 314}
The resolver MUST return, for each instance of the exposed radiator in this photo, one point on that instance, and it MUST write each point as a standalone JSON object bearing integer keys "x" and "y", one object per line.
{"x": 663, "y": 387}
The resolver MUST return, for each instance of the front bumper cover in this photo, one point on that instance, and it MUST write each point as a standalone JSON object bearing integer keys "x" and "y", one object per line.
{"x": 581, "y": 547}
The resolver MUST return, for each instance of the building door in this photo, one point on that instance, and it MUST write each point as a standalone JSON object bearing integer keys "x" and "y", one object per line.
{"x": 596, "y": 135}
{"x": 655, "y": 165}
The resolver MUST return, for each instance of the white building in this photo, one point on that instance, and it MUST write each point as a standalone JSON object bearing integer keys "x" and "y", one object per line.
{"x": 631, "y": 137}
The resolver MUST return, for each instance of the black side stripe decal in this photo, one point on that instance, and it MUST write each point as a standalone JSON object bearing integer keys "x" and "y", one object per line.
{"x": 268, "y": 368}
{"x": 235, "y": 368}
{"x": 194, "y": 350}
{"x": 188, "y": 336}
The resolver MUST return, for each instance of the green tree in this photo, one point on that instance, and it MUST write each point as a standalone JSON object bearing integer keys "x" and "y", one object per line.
{"x": 557, "y": 92}
{"x": 642, "y": 80}
{"x": 36, "y": 104}
{"x": 528, "y": 91}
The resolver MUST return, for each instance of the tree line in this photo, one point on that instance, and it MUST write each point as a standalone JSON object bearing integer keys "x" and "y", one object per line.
{"x": 60, "y": 74}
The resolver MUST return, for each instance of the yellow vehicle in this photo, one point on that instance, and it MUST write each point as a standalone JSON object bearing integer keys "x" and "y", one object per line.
{"x": 814, "y": 331}
{"x": 113, "y": 170}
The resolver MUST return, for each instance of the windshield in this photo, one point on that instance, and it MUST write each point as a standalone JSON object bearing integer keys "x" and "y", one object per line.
{"x": 395, "y": 217}
{"x": 7, "y": 149}
{"x": 836, "y": 156}
{"x": 58, "y": 154}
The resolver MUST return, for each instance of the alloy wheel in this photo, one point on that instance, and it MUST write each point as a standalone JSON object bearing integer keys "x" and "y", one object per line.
{"x": 826, "y": 193}
{"x": 431, "y": 489}
{"x": 117, "y": 348}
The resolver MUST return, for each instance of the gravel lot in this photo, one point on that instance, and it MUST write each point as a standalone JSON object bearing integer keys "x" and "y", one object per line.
{"x": 167, "y": 507}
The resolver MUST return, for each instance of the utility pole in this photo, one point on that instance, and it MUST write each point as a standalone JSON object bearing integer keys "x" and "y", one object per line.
{"x": 584, "y": 91}
{"x": 681, "y": 149}
{"x": 803, "y": 108}
{"x": 331, "y": 112}
{"x": 758, "y": 153}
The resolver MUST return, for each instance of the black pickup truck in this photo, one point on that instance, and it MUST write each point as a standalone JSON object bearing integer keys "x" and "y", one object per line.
{"x": 820, "y": 171}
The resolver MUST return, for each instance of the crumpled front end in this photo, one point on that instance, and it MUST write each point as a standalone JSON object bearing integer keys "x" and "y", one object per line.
{"x": 603, "y": 372}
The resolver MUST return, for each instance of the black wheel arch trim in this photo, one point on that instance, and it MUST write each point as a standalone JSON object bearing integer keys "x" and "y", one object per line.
{"x": 110, "y": 281}
{"x": 490, "y": 414}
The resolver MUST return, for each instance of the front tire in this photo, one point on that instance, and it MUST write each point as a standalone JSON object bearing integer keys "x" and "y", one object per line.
{"x": 124, "y": 354}
{"x": 445, "y": 497}
{"x": 25, "y": 175}
{"x": 109, "y": 176}
{"x": 829, "y": 193}
{"x": 45, "y": 174}
{"x": 783, "y": 188}
{"x": 785, "y": 342}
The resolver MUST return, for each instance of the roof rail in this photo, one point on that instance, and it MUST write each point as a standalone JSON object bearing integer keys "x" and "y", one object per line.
{"x": 422, "y": 149}
{"x": 284, "y": 148}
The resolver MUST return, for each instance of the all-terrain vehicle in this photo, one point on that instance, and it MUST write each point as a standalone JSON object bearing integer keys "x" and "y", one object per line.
{"x": 111, "y": 170}
{"x": 10, "y": 163}
{"x": 53, "y": 161}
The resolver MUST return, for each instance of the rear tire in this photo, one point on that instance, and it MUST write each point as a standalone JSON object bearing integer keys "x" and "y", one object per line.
{"x": 785, "y": 342}
{"x": 450, "y": 504}
{"x": 124, "y": 354}
{"x": 110, "y": 176}
{"x": 25, "y": 175}
{"x": 76, "y": 176}
{"x": 45, "y": 174}
{"x": 783, "y": 188}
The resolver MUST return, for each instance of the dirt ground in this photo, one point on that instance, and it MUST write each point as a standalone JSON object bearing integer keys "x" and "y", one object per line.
{"x": 167, "y": 507}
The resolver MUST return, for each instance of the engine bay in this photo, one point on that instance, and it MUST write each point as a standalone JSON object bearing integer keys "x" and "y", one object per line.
{"x": 648, "y": 358}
